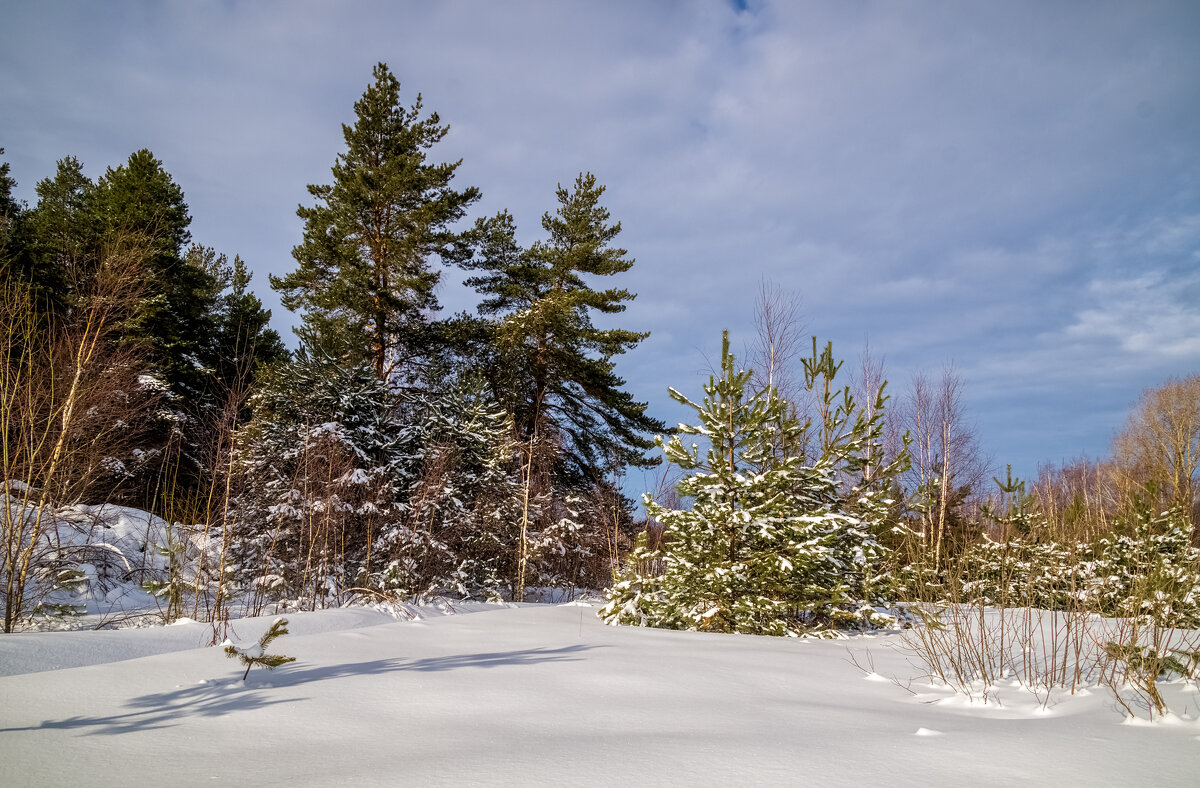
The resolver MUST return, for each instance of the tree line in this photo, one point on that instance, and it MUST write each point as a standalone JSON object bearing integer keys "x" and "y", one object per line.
{"x": 395, "y": 451}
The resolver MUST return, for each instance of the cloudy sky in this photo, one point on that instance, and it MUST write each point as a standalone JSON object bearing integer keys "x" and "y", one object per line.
{"x": 1012, "y": 188}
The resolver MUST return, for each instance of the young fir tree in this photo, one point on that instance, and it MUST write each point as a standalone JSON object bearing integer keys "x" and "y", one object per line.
{"x": 256, "y": 653}
{"x": 770, "y": 545}
{"x": 364, "y": 265}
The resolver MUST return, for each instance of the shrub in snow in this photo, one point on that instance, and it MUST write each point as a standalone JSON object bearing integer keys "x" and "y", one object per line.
{"x": 772, "y": 544}
{"x": 1121, "y": 612}
{"x": 256, "y": 653}
{"x": 89, "y": 559}
{"x": 1143, "y": 666}
{"x": 1151, "y": 571}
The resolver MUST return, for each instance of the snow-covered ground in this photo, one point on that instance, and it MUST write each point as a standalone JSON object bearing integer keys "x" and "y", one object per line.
{"x": 540, "y": 695}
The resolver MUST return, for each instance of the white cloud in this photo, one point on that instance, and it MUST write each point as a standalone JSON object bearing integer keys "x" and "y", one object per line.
{"x": 1143, "y": 316}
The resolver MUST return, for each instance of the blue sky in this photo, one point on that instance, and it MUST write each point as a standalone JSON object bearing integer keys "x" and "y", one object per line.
{"x": 1011, "y": 187}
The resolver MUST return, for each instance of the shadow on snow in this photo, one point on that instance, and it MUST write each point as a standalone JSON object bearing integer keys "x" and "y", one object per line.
{"x": 166, "y": 709}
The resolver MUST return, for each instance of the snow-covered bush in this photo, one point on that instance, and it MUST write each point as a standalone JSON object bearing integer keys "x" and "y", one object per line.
{"x": 1152, "y": 570}
{"x": 89, "y": 560}
{"x": 1024, "y": 574}
{"x": 1121, "y": 612}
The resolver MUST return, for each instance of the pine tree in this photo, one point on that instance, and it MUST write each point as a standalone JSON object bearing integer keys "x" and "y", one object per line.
{"x": 556, "y": 370}
{"x": 140, "y": 204}
{"x": 865, "y": 493}
{"x": 10, "y": 211}
{"x": 18, "y": 263}
{"x": 364, "y": 265}
{"x": 256, "y": 653}
{"x": 241, "y": 341}
{"x": 19, "y": 260}
{"x": 553, "y": 369}
{"x": 8, "y": 205}
{"x": 770, "y": 545}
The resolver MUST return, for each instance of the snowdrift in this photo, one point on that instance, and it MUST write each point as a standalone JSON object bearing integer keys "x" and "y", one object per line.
{"x": 546, "y": 695}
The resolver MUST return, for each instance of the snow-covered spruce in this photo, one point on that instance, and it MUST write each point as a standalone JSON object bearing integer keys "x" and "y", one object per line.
{"x": 351, "y": 486}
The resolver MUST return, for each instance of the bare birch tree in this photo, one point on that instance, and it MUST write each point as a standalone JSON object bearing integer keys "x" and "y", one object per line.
{"x": 779, "y": 340}
{"x": 947, "y": 463}
{"x": 68, "y": 394}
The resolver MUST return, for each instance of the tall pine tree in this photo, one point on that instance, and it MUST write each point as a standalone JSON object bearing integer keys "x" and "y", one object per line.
{"x": 365, "y": 278}
{"x": 554, "y": 368}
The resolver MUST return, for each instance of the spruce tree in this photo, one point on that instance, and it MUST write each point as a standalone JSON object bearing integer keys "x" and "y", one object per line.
{"x": 64, "y": 232}
{"x": 365, "y": 271}
{"x": 404, "y": 494}
{"x": 461, "y": 503}
{"x": 322, "y": 468}
{"x": 139, "y": 204}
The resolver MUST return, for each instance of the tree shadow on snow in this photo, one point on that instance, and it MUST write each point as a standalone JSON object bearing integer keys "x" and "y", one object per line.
{"x": 167, "y": 709}
{"x": 223, "y": 697}
{"x": 290, "y": 675}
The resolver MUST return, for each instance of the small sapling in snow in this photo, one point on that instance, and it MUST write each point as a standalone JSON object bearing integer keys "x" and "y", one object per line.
{"x": 256, "y": 653}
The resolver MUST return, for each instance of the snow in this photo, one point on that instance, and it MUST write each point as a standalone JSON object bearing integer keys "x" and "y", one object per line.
{"x": 536, "y": 694}
{"x": 542, "y": 695}
{"x": 252, "y": 650}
